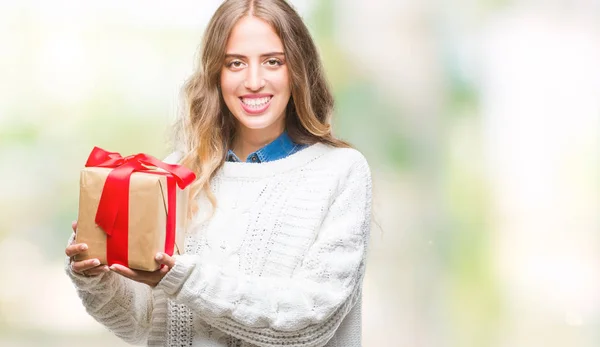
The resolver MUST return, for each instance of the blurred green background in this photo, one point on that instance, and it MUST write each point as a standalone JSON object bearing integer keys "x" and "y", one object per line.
{"x": 480, "y": 119}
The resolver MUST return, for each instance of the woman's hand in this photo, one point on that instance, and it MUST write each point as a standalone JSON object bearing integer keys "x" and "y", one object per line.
{"x": 151, "y": 278}
{"x": 92, "y": 267}
{"x": 87, "y": 268}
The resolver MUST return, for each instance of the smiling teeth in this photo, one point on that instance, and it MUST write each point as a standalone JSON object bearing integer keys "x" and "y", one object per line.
{"x": 256, "y": 102}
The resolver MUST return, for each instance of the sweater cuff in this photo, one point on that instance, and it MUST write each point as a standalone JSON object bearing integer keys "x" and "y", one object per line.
{"x": 173, "y": 281}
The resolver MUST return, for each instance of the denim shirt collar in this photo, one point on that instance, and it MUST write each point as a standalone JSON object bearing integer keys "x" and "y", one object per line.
{"x": 279, "y": 148}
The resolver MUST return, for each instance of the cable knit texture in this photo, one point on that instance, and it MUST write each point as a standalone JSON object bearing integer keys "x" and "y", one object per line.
{"x": 279, "y": 263}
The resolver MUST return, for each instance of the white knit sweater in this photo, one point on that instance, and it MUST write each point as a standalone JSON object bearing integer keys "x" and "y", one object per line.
{"x": 280, "y": 263}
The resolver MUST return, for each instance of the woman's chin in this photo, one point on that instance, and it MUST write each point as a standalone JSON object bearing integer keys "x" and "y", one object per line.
{"x": 254, "y": 125}
{"x": 257, "y": 122}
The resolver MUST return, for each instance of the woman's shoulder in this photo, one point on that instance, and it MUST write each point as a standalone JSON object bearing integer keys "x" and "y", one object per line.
{"x": 345, "y": 158}
{"x": 343, "y": 165}
{"x": 347, "y": 169}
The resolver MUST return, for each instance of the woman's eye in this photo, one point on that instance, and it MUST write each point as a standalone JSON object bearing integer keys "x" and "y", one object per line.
{"x": 273, "y": 62}
{"x": 235, "y": 64}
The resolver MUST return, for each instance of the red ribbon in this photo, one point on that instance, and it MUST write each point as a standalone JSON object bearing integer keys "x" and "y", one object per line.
{"x": 113, "y": 210}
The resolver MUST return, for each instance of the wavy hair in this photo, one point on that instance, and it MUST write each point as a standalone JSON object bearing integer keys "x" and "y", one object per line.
{"x": 206, "y": 127}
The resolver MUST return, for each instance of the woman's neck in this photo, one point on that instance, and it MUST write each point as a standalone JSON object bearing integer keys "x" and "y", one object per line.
{"x": 249, "y": 141}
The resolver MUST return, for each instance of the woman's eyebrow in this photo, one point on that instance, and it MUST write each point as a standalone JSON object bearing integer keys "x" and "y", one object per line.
{"x": 241, "y": 56}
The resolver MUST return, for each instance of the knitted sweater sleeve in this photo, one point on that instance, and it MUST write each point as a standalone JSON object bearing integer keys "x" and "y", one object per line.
{"x": 122, "y": 305}
{"x": 303, "y": 310}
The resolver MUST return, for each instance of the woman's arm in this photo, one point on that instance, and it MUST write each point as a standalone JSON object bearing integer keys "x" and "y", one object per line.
{"x": 122, "y": 305}
{"x": 304, "y": 310}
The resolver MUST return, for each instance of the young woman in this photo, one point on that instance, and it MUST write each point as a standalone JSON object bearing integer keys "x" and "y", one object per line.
{"x": 275, "y": 250}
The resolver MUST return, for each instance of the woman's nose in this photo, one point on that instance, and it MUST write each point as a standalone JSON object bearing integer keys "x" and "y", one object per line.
{"x": 254, "y": 80}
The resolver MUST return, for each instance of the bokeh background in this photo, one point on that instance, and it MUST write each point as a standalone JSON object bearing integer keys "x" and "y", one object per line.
{"x": 481, "y": 121}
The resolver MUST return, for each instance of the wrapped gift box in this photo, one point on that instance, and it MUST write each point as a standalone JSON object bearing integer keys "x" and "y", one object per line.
{"x": 137, "y": 220}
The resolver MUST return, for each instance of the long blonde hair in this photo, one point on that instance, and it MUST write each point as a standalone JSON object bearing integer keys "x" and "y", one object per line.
{"x": 206, "y": 129}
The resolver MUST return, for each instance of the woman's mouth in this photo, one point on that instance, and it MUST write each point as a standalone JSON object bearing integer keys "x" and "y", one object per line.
{"x": 256, "y": 105}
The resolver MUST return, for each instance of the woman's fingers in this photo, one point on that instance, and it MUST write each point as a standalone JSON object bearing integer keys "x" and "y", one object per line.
{"x": 80, "y": 266}
{"x": 89, "y": 267}
{"x": 127, "y": 272}
{"x": 136, "y": 275}
{"x": 75, "y": 249}
{"x": 150, "y": 278}
{"x": 165, "y": 259}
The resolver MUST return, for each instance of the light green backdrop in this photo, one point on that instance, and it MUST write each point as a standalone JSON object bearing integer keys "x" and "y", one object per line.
{"x": 479, "y": 119}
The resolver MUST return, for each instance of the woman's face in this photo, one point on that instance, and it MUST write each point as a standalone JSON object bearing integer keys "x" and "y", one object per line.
{"x": 254, "y": 78}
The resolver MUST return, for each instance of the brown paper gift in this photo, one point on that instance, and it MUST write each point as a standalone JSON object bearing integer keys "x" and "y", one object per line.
{"x": 148, "y": 206}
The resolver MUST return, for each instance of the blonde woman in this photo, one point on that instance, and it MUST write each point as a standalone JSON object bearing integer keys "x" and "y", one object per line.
{"x": 275, "y": 250}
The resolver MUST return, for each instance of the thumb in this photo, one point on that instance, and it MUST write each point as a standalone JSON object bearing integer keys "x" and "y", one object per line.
{"x": 165, "y": 259}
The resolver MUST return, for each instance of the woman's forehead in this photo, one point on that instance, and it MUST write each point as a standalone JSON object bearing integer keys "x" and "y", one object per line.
{"x": 252, "y": 36}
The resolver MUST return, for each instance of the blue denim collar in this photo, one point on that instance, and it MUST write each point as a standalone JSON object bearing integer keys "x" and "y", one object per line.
{"x": 279, "y": 148}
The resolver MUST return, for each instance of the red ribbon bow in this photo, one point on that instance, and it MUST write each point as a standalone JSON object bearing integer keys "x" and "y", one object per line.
{"x": 113, "y": 210}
